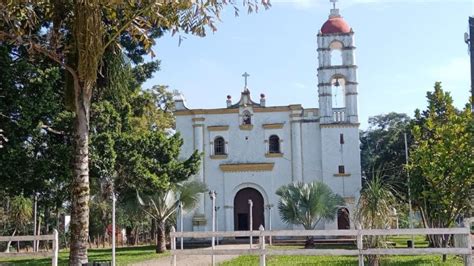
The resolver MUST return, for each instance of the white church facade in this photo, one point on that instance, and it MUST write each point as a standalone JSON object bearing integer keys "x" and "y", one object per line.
{"x": 251, "y": 149}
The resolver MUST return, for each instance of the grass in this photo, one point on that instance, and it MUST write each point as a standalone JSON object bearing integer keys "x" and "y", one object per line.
{"x": 124, "y": 256}
{"x": 344, "y": 261}
{"x": 400, "y": 242}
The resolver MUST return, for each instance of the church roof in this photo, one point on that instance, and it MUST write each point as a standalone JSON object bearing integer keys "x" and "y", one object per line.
{"x": 335, "y": 25}
{"x": 245, "y": 100}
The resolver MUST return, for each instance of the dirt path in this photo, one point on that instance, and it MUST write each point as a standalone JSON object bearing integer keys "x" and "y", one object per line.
{"x": 195, "y": 260}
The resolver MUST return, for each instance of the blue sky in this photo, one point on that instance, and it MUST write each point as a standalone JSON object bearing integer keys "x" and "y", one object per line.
{"x": 403, "y": 47}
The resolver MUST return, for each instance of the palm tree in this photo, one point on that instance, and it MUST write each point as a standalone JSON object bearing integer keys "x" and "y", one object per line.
{"x": 307, "y": 204}
{"x": 19, "y": 214}
{"x": 375, "y": 209}
{"x": 164, "y": 203}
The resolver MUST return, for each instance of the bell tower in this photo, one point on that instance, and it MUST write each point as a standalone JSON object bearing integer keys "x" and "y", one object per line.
{"x": 337, "y": 71}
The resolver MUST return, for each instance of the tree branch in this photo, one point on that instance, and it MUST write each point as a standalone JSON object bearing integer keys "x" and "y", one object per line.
{"x": 51, "y": 130}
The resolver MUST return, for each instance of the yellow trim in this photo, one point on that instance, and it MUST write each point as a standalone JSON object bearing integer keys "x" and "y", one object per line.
{"x": 342, "y": 175}
{"x": 247, "y": 167}
{"x": 219, "y": 157}
{"x": 273, "y": 155}
{"x": 246, "y": 127}
{"x": 273, "y": 126}
{"x": 217, "y": 128}
{"x": 198, "y": 119}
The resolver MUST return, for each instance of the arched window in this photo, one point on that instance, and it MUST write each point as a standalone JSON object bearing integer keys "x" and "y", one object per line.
{"x": 338, "y": 92}
{"x": 219, "y": 146}
{"x": 336, "y": 53}
{"x": 274, "y": 144}
{"x": 246, "y": 118}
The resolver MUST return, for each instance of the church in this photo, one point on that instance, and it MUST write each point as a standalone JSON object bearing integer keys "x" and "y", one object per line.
{"x": 251, "y": 149}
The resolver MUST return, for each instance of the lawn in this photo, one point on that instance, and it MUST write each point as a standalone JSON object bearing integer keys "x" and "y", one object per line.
{"x": 124, "y": 255}
{"x": 343, "y": 261}
{"x": 400, "y": 242}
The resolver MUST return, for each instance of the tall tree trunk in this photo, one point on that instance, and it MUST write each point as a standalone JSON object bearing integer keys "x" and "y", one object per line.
{"x": 10, "y": 242}
{"x": 161, "y": 239}
{"x": 80, "y": 184}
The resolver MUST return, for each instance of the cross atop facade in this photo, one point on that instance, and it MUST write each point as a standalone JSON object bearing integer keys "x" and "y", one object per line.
{"x": 245, "y": 75}
{"x": 334, "y": 3}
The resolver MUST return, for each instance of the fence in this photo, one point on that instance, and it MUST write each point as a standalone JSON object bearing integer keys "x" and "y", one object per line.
{"x": 53, "y": 252}
{"x": 462, "y": 232}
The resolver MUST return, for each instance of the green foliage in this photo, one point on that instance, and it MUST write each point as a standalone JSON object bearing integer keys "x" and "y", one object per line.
{"x": 442, "y": 161}
{"x": 383, "y": 149}
{"x": 307, "y": 204}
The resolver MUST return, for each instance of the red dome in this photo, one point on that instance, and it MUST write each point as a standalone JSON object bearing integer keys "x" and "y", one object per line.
{"x": 335, "y": 25}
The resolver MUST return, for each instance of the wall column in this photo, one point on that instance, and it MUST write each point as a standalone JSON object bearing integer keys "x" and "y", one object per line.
{"x": 199, "y": 218}
{"x": 296, "y": 149}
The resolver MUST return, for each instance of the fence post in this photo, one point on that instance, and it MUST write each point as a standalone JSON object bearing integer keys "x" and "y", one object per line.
{"x": 173, "y": 246}
{"x": 360, "y": 245}
{"x": 468, "y": 258}
{"x": 54, "y": 261}
{"x": 262, "y": 246}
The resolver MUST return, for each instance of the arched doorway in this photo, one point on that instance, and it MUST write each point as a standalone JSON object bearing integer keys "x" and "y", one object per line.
{"x": 343, "y": 221}
{"x": 241, "y": 209}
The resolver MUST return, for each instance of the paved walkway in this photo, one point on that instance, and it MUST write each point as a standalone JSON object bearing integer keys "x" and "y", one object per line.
{"x": 194, "y": 260}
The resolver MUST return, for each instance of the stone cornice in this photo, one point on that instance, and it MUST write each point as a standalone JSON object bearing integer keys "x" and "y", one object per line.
{"x": 198, "y": 119}
{"x": 247, "y": 167}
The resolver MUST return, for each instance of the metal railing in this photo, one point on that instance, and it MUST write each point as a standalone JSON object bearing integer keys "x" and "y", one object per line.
{"x": 53, "y": 253}
{"x": 462, "y": 239}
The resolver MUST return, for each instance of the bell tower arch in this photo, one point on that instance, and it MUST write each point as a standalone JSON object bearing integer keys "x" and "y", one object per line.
{"x": 337, "y": 71}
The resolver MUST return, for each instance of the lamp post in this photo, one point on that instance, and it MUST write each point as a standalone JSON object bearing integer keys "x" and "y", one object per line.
{"x": 180, "y": 206}
{"x": 212, "y": 195}
{"x": 251, "y": 221}
{"x": 469, "y": 39}
{"x": 269, "y": 207}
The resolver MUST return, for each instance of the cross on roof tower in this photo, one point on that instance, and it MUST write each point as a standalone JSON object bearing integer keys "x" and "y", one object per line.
{"x": 245, "y": 75}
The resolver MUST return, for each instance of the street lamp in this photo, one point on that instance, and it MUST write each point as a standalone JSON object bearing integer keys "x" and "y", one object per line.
{"x": 251, "y": 221}
{"x": 212, "y": 195}
{"x": 269, "y": 207}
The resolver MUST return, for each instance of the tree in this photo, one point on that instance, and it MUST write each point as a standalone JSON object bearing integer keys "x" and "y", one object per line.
{"x": 441, "y": 162}
{"x": 375, "y": 211}
{"x": 75, "y": 34}
{"x": 164, "y": 203}
{"x": 19, "y": 214}
{"x": 307, "y": 204}
{"x": 383, "y": 147}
